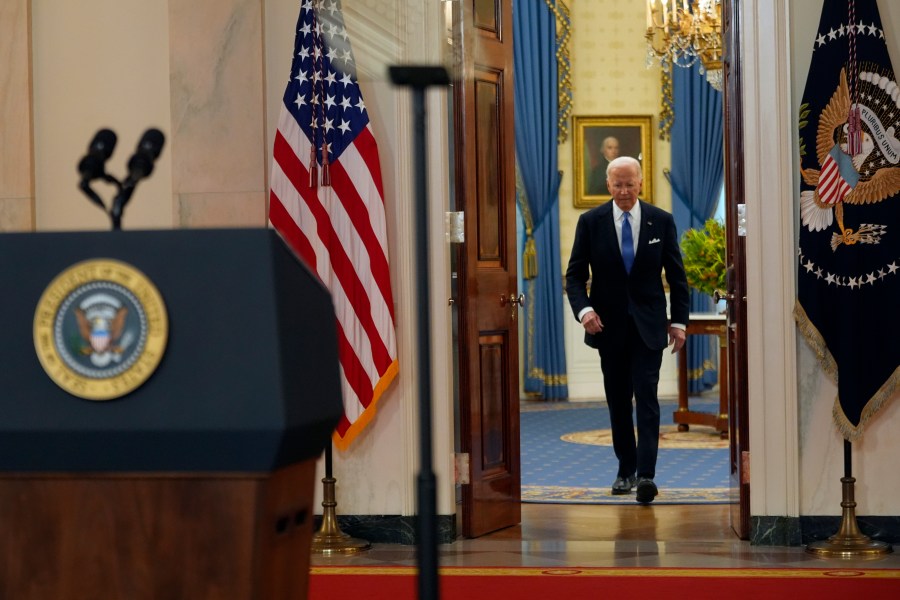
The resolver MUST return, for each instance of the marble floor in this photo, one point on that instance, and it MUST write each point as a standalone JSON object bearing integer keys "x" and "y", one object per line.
{"x": 558, "y": 535}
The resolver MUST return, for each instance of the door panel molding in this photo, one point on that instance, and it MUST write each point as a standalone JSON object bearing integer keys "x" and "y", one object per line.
{"x": 487, "y": 322}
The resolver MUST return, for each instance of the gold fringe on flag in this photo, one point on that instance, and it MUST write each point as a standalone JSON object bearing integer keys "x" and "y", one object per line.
{"x": 815, "y": 340}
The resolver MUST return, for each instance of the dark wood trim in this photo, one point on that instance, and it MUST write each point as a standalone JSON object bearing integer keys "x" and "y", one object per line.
{"x": 737, "y": 285}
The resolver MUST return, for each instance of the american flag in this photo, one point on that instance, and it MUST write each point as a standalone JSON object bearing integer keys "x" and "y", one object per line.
{"x": 833, "y": 185}
{"x": 327, "y": 202}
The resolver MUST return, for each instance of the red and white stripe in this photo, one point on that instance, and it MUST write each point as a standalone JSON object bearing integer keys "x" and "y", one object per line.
{"x": 832, "y": 187}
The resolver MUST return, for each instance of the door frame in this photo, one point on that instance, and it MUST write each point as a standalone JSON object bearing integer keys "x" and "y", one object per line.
{"x": 736, "y": 310}
{"x": 769, "y": 163}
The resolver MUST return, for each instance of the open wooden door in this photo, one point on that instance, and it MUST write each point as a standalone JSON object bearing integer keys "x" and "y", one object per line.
{"x": 736, "y": 294}
{"x": 488, "y": 300}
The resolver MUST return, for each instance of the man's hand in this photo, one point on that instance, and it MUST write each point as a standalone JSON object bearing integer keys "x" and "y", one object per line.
{"x": 677, "y": 337}
{"x": 591, "y": 322}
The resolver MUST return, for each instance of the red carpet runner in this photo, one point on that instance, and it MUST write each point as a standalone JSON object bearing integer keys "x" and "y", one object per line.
{"x": 524, "y": 583}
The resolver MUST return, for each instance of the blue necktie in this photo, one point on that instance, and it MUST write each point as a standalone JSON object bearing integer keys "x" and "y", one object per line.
{"x": 627, "y": 242}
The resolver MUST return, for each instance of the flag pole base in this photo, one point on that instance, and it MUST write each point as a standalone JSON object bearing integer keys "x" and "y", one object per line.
{"x": 330, "y": 540}
{"x": 849, "y": 542}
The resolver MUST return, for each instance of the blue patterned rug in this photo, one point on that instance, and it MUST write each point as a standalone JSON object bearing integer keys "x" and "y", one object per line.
{"x": 567, "y": 456}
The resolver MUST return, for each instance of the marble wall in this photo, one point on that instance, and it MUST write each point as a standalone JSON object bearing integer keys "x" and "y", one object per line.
{"x": 16, "y": 142}
{"x": 96, "y": 64}
{"x": 192, "y": 69}
{"x": 218, "y": 113}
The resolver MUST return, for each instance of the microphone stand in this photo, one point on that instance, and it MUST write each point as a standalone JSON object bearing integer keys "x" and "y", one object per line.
{"x": 118, "y": 205}
{"x": 117, "y": 208}
{"x": 85, "y": 186}
{"x": 419, "y": 78}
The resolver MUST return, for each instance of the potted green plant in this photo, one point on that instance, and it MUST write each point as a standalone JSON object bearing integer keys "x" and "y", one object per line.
{"x": 703, "y": 252}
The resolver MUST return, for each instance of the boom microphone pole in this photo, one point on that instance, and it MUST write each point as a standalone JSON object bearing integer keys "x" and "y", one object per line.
{"x": 419, "y": 78}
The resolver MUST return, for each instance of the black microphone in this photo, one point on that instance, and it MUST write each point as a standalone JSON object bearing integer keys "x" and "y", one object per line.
{"x": 100, "y": 149}
{"x": 140, "y": 165}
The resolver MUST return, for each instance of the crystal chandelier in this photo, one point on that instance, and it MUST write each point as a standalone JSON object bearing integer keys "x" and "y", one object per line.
{"x": 680, "y": 33}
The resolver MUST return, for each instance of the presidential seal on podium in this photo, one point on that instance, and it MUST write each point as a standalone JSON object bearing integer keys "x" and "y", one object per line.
{"x": 100, "y": 329}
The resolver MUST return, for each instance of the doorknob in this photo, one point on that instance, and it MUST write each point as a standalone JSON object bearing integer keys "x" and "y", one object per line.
{"x": 512, "y": 300}
{"x": 720, "y": 295}
{"x": 520, "y": 300}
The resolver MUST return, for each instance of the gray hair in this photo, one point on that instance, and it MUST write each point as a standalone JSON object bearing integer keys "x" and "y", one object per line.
{"x": 625, "y": 161}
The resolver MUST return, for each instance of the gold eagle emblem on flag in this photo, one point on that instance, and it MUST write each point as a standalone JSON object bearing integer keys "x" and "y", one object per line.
{"x": 869, "y": 176}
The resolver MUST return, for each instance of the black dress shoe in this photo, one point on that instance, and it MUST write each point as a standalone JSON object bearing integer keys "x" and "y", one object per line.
{"x": 646, "y": 490}
{"x": 622, "y": 485}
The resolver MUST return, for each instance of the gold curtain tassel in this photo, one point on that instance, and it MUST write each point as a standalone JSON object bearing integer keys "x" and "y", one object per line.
{"x": 529, "y": 260}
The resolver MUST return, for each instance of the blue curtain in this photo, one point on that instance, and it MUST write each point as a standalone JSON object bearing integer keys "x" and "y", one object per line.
{"x": 536, "y": 101}
{"x": 696, "y": 178}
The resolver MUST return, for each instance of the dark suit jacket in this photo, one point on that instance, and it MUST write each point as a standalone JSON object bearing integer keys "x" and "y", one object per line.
{"x": 614, "y": 294}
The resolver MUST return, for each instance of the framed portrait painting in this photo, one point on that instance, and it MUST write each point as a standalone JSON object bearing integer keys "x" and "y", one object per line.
{"x": 598, "y": 140}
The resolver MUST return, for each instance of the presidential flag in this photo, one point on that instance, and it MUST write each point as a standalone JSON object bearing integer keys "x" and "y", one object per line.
{"x": 849, "y": 241}
{"x": 327, "y": 202}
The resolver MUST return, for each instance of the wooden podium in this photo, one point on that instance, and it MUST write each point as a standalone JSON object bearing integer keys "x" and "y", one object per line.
{"x": 704, "y": 324}
{"x": 199, "y": 483}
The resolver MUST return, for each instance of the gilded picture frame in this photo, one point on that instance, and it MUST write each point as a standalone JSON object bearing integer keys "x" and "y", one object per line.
{"x": 598, "y": 139}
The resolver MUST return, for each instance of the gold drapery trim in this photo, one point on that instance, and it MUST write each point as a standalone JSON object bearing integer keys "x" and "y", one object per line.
{"x": 828, "y": 364}
{"x": 667, "y": 104}
{"x": 563, "y": 66}
{"x": 536, "y": 373}
{"x": 529, "y": 254}
{"x": 708, "y": 366}
{"x": 533, "y": 371}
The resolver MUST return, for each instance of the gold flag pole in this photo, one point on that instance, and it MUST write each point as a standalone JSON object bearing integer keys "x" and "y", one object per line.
{"x": 849, "y": 541}
{"x": 330, "y": 539}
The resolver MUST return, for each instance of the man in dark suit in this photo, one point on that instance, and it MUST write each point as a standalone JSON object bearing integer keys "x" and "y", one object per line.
{"x": 621, "y": 248}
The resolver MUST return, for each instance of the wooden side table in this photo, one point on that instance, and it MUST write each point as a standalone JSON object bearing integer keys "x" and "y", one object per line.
{"x": 704, "y": 324}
